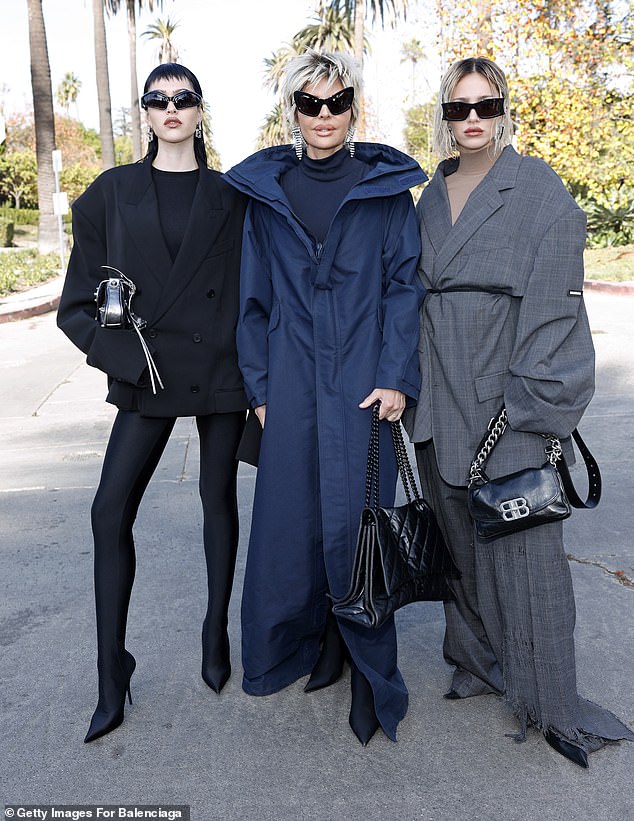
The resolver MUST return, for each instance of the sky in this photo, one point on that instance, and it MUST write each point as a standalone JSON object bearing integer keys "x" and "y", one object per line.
{"x": 224, "y": 42}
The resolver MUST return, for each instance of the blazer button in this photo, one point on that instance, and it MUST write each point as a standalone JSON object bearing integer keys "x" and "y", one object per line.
{"x": 211, "y": 293}
{"x": 197, "y": 338}
{"x": 152, "y": 334}
{"x": 195, "y": 388}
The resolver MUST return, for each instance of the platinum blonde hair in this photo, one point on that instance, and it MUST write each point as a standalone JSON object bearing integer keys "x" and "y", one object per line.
{"x": 313, "y": 67}
{"x": 442, "y": 141}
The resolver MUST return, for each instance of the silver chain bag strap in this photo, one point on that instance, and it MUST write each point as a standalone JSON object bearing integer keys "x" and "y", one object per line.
{"x": 529, "y": 497}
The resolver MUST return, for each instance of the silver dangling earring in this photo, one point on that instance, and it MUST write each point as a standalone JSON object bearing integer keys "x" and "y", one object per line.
{"x": 452, "y": 139}
{"x": 298, "y": 142}
{"x": 150, "y": 134}
{"x": 198, "y": 132}
{"x": 348, "y": 142}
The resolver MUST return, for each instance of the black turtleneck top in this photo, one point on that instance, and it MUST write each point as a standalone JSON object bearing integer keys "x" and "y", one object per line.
{"x": 316, "y": 188}
{"x": 175, "y": 193}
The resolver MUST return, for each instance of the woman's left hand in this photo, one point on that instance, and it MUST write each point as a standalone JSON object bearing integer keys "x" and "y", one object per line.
{"x": 392, "y": 403}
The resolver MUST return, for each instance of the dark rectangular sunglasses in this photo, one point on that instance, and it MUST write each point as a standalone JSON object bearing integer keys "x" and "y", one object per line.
{"x": 311, "y": 106}
{"x": 184, "y": 99}
{"x": 485, "y": 109}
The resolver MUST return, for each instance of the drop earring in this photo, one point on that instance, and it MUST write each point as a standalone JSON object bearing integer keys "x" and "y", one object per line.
{"x": 150, "y": 134}
{"x": 348, "y": 142}
{"x": 298, "y": 142}
{"x": 452, "y": 140}
{"x": 198, "y": 132}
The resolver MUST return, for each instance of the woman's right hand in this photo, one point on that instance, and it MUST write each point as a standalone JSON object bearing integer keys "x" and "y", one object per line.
{"x": 260, "y": 412}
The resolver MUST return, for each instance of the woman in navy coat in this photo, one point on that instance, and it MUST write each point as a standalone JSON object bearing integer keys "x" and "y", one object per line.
{"x": 174, "y": 227}
{"x": 328, "y": 325}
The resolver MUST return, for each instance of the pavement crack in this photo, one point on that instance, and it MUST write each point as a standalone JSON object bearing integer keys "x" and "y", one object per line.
{"x": 619, "y": 575}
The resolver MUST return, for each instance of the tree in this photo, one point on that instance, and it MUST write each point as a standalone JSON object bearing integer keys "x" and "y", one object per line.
{"x": 357, "y": 12}
{"x": 68, "y": 91}
{"x": 103, "y": 85}
{"x": 44, "y": 126}
{"x": 570, "y": 67}
{"x": 18, "y": 178}
{"x": 162, "y": 30}
{"x": 330, "y": 30}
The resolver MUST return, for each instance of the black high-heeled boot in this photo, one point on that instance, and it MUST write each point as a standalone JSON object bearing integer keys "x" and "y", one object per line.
{"x": 569, "y": 750}
{"x": 112, "y": 691}
{"x": 329, "y": 665}
{"x": 363, "y": 719}
{"x": 216, "y": 667}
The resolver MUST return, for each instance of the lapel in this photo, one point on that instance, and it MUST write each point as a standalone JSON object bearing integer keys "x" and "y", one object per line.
{"x": 141, "y": 216}
{"x": 482, "y": 203}
{"x": 207, "y": 217}
{"x": 139, "y": 211}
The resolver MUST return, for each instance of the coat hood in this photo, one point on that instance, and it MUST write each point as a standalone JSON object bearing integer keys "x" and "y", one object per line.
{"x": 390, "y": 172}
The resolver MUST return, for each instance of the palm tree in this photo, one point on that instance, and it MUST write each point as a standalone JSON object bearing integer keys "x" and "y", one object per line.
{"x": 131, "y": 6}
{"x": 357, "y": 11}
{"x": 44, "y": 126}
{"x": 106, "y": 136}
{"x": 68, "y": 90}
{"x": 330, "y": 30}
{"x": 162, "y": 31}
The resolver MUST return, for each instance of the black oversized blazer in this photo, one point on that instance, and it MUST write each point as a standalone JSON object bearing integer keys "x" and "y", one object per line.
{"x": 190, "y": 305}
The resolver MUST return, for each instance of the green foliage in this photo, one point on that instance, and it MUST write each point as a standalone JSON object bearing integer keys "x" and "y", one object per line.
{"x": 6, "y": 232}
{"x": 24, "y": 269}
{"x": 18, "y": 177}
{"x": 76, "y": 178}
{"x": 419, "y": 125}
{"x": 19, "y": 216}
{"x": 611, "y": 223}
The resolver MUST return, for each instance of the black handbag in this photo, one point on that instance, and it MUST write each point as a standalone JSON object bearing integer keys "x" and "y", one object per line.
{"x": 401, "y": 555}
{"x": 529, "y": 497}
{"x": 113, "y": 298}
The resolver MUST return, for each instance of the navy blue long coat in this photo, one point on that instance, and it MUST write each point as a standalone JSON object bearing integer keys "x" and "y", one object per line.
{"x": 320, "y": 327}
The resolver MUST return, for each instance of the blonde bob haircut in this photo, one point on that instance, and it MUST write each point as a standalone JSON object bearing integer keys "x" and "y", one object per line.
{"x": 442, "y": 142}
{"x": 312, "y": 67}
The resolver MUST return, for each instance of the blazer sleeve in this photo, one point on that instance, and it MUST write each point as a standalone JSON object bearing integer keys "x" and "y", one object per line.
{"x": 552, "y": 364}
{"x": 116, "y": 352}
{"x": 256, "y": 305}
{"x": 403, "y": 294}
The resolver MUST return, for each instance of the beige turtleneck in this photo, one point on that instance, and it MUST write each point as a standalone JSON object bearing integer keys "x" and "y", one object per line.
{"x": 473, "y": 168}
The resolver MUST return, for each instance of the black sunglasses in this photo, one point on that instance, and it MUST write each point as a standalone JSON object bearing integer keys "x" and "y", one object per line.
{"x": 184, "y": 99}
{"x": 311, "y": 106}
{"x": 485, "y": 109}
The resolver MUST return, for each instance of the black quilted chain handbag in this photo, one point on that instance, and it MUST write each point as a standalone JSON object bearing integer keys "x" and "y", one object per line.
{"x": 401, "y": 555}
{"x": 114, "y": 310}
{"x": 529, "y": 497}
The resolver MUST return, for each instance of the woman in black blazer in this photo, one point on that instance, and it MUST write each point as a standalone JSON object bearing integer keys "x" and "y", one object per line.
{"x": 173, "y": 227}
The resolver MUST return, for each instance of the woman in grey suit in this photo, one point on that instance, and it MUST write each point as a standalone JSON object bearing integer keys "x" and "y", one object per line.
{"x": 503, "y": 323}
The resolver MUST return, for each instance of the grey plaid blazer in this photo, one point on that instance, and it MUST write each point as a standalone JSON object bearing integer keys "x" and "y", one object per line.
{"x": 504, "y": 320}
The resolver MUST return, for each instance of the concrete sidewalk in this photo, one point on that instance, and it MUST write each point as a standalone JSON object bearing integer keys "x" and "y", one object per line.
{"x": 291, "y": 755}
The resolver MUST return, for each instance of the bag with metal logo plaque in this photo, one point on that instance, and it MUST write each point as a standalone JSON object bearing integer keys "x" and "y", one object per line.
{"x": 113, "y": 298}
{"x": 528, "y": 497}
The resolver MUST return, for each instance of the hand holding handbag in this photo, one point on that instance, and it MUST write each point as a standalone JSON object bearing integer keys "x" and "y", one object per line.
{"x": 529, "y": 497}
{"x": 113, "y": 297}
{"x": 401, "y": 555}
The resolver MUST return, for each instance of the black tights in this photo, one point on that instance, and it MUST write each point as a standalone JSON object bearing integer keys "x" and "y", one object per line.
{"x": 134, "y": 449}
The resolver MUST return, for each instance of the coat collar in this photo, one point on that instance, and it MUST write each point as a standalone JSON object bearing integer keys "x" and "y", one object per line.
{"x": 390, "y": 172}
{"x": 484, "y": 201}
{"x": 140, "y": 213}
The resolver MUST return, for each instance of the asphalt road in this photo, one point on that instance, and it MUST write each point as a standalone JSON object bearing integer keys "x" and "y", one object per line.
{"x": 291, "y": 755}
